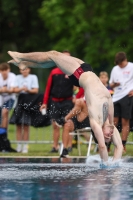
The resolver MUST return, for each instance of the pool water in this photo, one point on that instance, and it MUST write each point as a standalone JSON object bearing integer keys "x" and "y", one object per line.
{"x": 64, "y": 179}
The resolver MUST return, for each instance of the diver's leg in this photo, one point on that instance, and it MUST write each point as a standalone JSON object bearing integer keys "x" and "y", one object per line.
{"x": 38, "y": 57}
{"x": 66, "y": 63}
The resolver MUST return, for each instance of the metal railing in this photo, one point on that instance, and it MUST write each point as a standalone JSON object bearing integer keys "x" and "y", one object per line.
{"x": 45, "y": 136}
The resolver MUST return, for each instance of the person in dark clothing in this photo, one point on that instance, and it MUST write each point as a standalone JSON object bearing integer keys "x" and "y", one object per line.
{"x": 59, "y": 91}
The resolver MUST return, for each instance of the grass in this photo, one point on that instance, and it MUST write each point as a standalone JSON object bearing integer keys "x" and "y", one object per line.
{"x": 45, "y": 134}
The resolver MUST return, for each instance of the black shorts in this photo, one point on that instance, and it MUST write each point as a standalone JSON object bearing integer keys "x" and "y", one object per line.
{"x": 84, "y": 67}
{"x": 60, "y": 109}
{"x": 123, "y": 107}
{"x": 79, "y": 125}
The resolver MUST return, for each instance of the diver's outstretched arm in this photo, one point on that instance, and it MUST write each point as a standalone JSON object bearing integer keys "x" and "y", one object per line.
{"x": 118, "y": 145}
{"x": 100, "y": 138}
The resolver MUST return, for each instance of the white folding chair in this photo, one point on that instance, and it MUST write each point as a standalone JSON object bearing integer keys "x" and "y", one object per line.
{"x": 79, "y": 132}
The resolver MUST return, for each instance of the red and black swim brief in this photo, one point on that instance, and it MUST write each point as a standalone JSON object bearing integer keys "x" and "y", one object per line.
{"x": 76, "y": 75}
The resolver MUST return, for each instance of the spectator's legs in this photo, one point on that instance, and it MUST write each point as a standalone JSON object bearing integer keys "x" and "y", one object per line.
{"x": 4, "y": 126}
{"x": 3, "y": 129}
{"x": 4, "y": 123}
{"x": 19, "y": 137}
{"x": 25, "y": 138}
{"x": 56, "y": 136}
{"x": 19, "y": 132}
{"x": 66, "y": 138}
{"x": 25, "y": 133}
{"x": 70, "y": 143}
{"x": 125, "y": 131}
{"x": 116, "y": 120}
{"x": 22, "y": 135}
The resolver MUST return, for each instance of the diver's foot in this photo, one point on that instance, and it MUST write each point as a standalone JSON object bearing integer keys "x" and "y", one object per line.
{"x": 22, "y": 65}
{"x": 15, "y": 55}
{"x": 13, "y": 62}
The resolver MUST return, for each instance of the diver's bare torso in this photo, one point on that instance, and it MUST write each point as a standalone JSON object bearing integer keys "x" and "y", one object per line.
{"x": 97, "y": 97}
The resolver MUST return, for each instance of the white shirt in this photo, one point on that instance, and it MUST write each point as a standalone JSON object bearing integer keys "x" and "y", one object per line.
{"x": 9, "y": 83}
{"x": 30, "y": 81}
{"x": 125, "y": 77}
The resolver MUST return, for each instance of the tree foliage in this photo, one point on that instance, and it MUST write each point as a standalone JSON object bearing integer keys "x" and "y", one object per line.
{"x": 22, "y": 29}
{"x": 93, "y": 30}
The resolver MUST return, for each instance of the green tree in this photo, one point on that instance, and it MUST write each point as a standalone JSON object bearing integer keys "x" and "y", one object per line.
{"x": 93, "y": 30}
{"x": 22, "y": 29}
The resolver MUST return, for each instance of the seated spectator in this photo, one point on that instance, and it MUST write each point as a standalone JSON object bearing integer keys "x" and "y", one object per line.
{"x": 77, "y": 118}
{"x": 25, "y": 83}
{"x": 7, "y": 99}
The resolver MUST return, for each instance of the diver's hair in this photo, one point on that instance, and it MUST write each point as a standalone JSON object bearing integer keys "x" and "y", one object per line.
{"x": 103, "y": 73}
{"x": 4, "y": 66}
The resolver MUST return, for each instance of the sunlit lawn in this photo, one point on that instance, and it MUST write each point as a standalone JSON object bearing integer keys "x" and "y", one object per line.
{"x": 45, "y": 134}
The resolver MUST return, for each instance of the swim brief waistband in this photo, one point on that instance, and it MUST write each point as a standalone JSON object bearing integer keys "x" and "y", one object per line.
{"x": 84, "y": 67}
